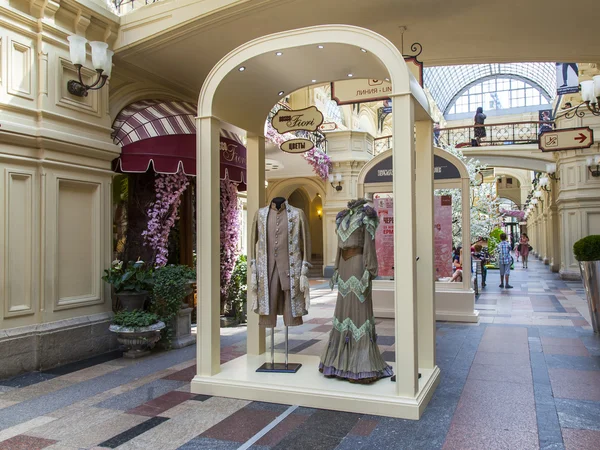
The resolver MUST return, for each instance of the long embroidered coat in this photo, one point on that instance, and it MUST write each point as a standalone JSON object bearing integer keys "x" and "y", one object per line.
{"x": 299, "y": 261}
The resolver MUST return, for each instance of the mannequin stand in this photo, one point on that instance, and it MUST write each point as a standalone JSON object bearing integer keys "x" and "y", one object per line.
{"x": 279, "y": 367}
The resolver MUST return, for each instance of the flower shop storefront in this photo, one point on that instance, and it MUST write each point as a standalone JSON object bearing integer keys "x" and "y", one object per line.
{"x": 154, "y": 203}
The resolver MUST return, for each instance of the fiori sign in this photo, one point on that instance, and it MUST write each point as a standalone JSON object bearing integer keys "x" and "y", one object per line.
{"x": 309, "y": 119}
{"x": 297, "y": 146}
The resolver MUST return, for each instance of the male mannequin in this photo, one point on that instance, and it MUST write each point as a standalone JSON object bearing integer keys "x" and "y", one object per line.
{"x": 279, "y": 271}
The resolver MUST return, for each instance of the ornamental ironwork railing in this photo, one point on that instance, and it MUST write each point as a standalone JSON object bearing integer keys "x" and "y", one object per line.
{"x": 509, "y": 133}
{"x": 123, "y": 6}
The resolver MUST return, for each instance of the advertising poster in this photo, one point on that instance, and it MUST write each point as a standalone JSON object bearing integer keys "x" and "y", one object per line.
{"x": 442, "y": 235}
{"x": 384, "y": 236}
{"x": 567, "y": 78}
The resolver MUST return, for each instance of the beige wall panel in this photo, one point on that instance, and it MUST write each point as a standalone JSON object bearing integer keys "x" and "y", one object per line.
{"x": 78, "y": 243}
{"x": 90, "y": 104}
{"x": 593, "y": 223}
{"x": 20, "y": 68}
{"x": 19, "y": 243}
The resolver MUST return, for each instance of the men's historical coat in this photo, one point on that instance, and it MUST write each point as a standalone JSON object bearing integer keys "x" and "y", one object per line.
{"x": 299, "y": 257}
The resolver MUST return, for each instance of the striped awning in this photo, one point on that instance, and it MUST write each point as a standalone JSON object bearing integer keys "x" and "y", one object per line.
{"x": 163, "y": 135}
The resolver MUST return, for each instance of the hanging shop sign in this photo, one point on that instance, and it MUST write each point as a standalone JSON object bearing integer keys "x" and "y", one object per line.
{"x": 347, "y": 92}
{"x": 566, "y": 139}
{"x": 297, "y": 146}
{"x": 308, "y": 119}
{"x": 328, "y": 126}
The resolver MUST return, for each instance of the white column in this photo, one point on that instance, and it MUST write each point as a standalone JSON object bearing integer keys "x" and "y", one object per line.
{"x": 255, "y": 181}
{"x": 405, "y": 280}
{"x": 208, "y": 245}
{"x": 425, "y": 252}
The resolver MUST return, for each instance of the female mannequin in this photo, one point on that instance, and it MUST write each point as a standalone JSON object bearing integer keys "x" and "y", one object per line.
{"x": 352, "y": 351}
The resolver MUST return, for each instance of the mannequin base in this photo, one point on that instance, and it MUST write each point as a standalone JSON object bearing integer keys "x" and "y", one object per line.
{"x": 279, "y": 367}
{"x": 238, "y": 379}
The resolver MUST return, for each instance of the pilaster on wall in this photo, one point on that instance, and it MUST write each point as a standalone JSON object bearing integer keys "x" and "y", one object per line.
{"x": 578, "y": 205}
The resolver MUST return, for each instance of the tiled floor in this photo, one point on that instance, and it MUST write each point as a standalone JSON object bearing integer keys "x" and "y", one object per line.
{"x": 526, "y": 377}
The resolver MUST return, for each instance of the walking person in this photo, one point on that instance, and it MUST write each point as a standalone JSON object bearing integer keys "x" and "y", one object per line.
{"x": 504, "y": 261}
{"x": 479, "y": 128}
{"x": 524, "y": 249}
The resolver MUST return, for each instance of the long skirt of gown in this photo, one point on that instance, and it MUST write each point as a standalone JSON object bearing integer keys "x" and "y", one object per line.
{"x": 352, "y": 351}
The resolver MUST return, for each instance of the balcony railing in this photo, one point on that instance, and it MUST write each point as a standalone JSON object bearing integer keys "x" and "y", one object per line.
{"x": 509, "y": 133}
{"x": 123, "y": 6}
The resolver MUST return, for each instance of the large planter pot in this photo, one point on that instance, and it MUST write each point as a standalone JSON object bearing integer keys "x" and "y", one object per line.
{"x": 132, "y": 300}
{"x": 590, "y": 274}
{"x": 139, "y": 341}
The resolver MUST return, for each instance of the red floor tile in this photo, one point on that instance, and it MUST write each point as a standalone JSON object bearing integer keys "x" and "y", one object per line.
{"x": 241, "y": 425}
{"x": 575, "y": 384}
{"x": 581, "y": 439}
{"x": 23, "y": 442}
{"x": 364, "y": 427}
{"x": 285, "y": 427}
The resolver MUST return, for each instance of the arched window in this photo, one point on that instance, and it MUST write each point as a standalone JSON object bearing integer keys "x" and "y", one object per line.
{"x": 498, "y": 93}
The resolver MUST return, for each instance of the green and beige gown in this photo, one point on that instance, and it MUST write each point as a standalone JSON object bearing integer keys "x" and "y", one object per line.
{"x": 352, "y": 351}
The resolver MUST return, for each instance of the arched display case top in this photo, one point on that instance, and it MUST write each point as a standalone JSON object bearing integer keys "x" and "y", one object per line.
{"x": 380, "y": 169}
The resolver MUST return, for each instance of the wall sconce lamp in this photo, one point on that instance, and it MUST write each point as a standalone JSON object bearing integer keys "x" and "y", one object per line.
{"x": 590, "y": 93}
{"x": 551, "y": 171}
{"x": 338, "y": 178}
{"x": 593, "y": 165}
{"x": 543, "y": 183}
{"x": 320, "y": 213}
{"x": 101, "y": 60}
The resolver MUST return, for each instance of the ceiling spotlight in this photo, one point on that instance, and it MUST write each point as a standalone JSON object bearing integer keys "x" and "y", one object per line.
{"x": 278, "y": 53}
{"x": 363, "y": 50}
{"x": 350, "y": 75}
{"x": 280, "y": 93}
{"x": 242, "y": 68}
{"x": 314, "y": 81}
{"x": 387, "y": 79}
{"x": 320, "y": 46}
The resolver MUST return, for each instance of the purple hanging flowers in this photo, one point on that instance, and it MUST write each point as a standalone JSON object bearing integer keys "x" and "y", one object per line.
{"x": 320, "y": 162}
{"x": 230, "y": 233}
{"x": 162, "y": 214}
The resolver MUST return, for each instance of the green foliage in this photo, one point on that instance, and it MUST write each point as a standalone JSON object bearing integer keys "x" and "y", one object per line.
{"x": 237, "y": 289}
{"x": 136, "y": 277}
{"x": 494, "y": 240}
{"x": 588, "y": 248}
{"x": 134, "y": 319}
{"x": 171, "y": 286}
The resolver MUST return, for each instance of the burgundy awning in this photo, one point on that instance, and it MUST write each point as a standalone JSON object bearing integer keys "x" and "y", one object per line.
{"x": 162, "y": 136}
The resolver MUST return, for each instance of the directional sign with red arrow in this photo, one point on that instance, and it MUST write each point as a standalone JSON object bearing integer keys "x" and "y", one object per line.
{"x": 566, "y": 139}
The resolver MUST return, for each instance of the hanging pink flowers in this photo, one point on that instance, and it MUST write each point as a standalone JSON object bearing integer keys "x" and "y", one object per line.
{"x": 320, "y": 162}
{"x": 230, "y": 233}
{"x": 162, "y": 214}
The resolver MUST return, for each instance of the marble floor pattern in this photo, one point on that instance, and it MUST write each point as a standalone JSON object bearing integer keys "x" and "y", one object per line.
{"x": 526, "y": 377}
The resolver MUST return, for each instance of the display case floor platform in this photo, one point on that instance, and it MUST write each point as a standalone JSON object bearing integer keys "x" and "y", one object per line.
{"x": 308, "y": 387}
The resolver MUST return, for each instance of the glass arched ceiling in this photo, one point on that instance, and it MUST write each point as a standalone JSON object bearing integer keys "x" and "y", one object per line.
{"x": 446, "y": 83}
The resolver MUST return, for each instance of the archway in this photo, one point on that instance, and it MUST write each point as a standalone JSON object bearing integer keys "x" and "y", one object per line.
{"x": 241, "y": 90}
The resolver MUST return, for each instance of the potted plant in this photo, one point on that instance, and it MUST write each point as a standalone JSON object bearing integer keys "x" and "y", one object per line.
{"x": 131, "y": 284}
{"x": 137, "y": 330}
{"x": 587, "y": 252}
{"x": 172, "y": 284}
